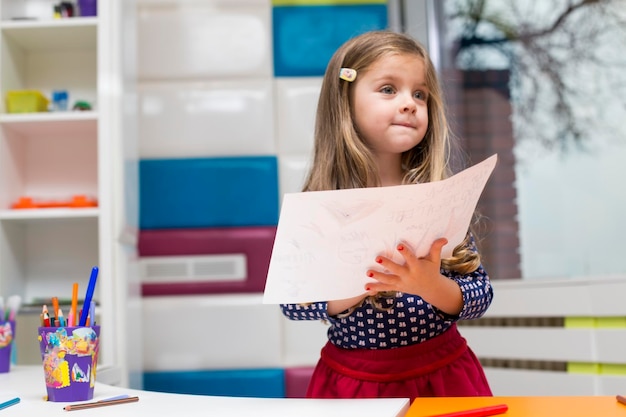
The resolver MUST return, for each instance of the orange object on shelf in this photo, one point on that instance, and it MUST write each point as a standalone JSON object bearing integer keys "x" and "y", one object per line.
{"x": 77, "y": 201}
{"x": 83, "y": 201}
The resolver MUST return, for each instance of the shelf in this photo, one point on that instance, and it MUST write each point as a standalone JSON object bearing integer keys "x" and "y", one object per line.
{"x": 30, "y": 215}
{"x": 58, "y": 155}
{"x": 46, "y": 35}
{"x": 37, "y": 124}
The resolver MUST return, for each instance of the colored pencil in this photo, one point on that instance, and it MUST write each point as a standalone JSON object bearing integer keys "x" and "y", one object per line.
{"x": 9, "y": 403}
{"x": 62, "y": 322}
{"x": 46, "y": 316}
{"x": 621, "y": 399}
{"x": 13, "y": 305}
{"x": 103, "y": 403}
{"x": 477, "y": 412}
{"x": 72, "y": 315}
{"x": 90, "y": 290}
{"x": 55, "y": 307}
{"x": 92, "y": 313}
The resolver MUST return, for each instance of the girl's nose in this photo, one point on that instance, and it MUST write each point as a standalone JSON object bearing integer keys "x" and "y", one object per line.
{"x": 408, "y": 105}
{"x": 409, "y": 108}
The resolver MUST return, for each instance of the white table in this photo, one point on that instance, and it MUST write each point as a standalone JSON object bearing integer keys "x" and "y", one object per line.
{"x": 28, "y": 383}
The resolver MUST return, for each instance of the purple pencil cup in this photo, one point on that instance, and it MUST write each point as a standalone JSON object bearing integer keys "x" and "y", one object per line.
{"x": 7, "y": 335}
{"x": 70, "y": 357}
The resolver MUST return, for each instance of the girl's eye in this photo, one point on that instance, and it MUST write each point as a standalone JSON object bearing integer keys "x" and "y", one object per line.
{"x": 387, "y": 90}
{"x": 420, "y": 95}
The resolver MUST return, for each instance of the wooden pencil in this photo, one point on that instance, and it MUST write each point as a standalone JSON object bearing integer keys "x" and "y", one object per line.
{"x": 100, "y": 403}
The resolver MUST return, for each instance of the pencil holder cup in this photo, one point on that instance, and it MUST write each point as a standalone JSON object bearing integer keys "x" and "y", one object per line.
{"x": 70, "y": 357}
{"x": 7, "y": 334}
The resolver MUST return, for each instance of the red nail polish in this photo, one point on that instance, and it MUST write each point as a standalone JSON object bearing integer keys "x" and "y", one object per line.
{"x": 370, "y": 274}
{"x": 400, "y": 247}
{"x": 379, "y": 260}
{"x": 368, "y": 288}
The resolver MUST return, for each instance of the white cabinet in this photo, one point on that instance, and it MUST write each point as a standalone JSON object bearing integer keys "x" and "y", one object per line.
{"x": 53, "y": 156}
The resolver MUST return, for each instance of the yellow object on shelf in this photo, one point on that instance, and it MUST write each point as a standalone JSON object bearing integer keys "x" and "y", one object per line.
{"x": 26, "y": 101}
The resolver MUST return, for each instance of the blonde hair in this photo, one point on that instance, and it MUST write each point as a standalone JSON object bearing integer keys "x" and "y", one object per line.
{"x": 342, "y": 160}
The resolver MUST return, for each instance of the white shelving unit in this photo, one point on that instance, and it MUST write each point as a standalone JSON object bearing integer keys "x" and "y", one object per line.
{"x": 57, "y": 155}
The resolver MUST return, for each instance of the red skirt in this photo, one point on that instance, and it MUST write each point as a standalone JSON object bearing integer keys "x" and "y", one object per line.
{"x": 441, "y": 367}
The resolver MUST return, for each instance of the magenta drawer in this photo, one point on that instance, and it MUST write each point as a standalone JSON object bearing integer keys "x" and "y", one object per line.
{"x": 176, "y": 249}
{"x": 297, "y": 381}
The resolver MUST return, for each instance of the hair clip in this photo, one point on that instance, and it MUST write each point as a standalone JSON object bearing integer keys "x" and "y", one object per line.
{"x": 347, "y": 74}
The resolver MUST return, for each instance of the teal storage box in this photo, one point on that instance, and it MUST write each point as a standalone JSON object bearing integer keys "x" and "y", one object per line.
{"x": 208, "y": 192}
{"x": 305, "y": 37}
{"x": 260, "y": 383}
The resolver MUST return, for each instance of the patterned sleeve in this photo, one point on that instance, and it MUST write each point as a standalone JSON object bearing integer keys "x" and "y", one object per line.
{"x": 477, "y": 293}
{"x": 312, "y": 311}
{"x": 476, "y": 290}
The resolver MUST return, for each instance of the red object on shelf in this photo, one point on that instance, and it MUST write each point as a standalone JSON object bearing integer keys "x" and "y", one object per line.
{"x": 77, "y": 201}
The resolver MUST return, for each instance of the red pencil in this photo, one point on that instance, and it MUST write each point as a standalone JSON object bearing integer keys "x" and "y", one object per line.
{"x": 46, "y": 316}
{"x": 477, "y": 412}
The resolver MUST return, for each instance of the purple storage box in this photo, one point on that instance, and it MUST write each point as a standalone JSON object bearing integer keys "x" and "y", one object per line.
{"x": 88, "y": 7}
{"x": 255, "y": 243}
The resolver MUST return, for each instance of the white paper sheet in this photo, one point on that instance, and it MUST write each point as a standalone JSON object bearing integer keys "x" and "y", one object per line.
{"x": 326, "y": 240}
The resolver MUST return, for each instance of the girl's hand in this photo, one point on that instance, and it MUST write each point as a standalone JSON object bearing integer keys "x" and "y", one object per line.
{"x": 420, "y": 276}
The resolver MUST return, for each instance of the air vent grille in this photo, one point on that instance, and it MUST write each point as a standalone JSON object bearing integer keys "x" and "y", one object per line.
{"x": 204, "y": 268}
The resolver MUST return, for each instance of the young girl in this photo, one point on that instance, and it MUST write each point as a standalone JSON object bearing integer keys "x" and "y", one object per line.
{"x": 381, "y": 122}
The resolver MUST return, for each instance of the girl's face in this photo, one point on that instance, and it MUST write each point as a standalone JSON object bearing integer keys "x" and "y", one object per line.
{"x": 390, "y": 105}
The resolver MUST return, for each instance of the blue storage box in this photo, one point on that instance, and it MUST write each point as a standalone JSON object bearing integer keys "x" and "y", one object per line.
{"x": 208, "y": 192}
{"x": 305, "y": 37}
{"x": 260, "y": 383}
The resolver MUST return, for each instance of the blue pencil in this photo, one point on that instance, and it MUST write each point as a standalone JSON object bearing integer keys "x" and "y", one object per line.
{"x": 90, "y": 289}
{"x": 9, "y": 403}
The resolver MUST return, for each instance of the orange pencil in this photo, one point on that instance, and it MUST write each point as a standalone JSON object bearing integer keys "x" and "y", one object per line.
{"x": 55, "y": 306}
{"x": 74, "y": 304}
